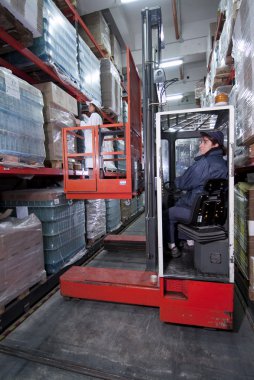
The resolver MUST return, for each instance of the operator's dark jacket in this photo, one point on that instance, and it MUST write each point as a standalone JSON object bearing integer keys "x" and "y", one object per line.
{"x": 208, "y": 166}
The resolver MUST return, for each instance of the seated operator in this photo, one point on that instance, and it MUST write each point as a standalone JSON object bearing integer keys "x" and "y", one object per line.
{"x": 208, "y": 165}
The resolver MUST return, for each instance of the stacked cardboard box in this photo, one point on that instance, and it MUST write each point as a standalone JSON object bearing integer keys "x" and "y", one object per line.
{"x": 21, "y": 257}
{"x": 100, "y": 31}
{"x": 59, "y": 111}
{"x": 110, "y": 86}
{"x": 244, "y": 231}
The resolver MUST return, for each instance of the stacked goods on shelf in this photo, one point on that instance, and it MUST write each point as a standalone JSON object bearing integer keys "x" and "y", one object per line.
{"x": 95, "y": 219}
{"x": 220, "y": 62}
{"x": 100, "y": 31}
{"x": 244, "y": 232}
{"x": 129, "y": 208}
{"x": 113, "y": 214}
{"x": 21, "y": 257}
{"x": 57, "y": 46}
{"x": 125, "y": 205}
{"x": 110, "y": 87}
{"x": 89, "y": 67}
{"x": 134, "y": 206}
{"x": 116, "y": 52}
{"x": 141, "y": 201}
{"x": 243, "y": 53}
{"x": 15, "y": 29}
{"x": 59, "y": 110}
{"x": 62, "y": 5}
{"x": 125, "y": 111}
{"x": 21, "y": 121}
{"x": 63, "y": 222}
{"x": 28, "y": 13}
{"x": 225, "y": 41}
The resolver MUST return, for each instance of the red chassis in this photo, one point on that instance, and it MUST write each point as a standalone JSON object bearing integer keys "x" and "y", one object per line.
{"x": 196, "y": 303}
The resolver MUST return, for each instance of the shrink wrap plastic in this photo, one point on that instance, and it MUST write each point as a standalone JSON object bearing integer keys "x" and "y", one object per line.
{"x": 243, "y": 53}
{"x": 21, "y": 256}
{"x": 95, "y": 218}
{"x": 99, "y": 29}
{"x": 90, "y": 81}
{"x": 57, "y": 46}
{"x": 63, "y": 222}
{"x": 225, "y": 43}
{"x": 28, "y": 12}
{"x": 244, "y": 231}
{"x": 21, "y": 133}
{"x": 55, "y": 120}
{"x": 113, "y": 214}
{"x": 110, "y": 86}
{"x": 116, "y": 52}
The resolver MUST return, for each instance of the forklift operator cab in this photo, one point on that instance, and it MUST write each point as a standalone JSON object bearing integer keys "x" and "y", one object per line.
{"x": 210, "y": 223}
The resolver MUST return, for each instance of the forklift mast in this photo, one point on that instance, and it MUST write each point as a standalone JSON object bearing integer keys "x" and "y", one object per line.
{"x": 151, "y": 21}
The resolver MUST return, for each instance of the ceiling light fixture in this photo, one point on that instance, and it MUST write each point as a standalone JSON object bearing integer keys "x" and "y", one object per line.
{"x": 127, "y": 1}
{"x": 174, "y": 97}
{"x": 176, "y": 62}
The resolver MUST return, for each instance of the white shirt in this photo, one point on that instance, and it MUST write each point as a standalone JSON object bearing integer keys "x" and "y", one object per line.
{"x": 107, "y": 146}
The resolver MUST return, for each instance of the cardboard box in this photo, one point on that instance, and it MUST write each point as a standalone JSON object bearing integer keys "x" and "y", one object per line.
{"x": 21, "y": 256}
{"x": 55, "y": 96}
{"x": 99, "y": 29}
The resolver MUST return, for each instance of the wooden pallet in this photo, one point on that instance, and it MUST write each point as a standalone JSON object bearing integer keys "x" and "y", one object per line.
{"x": 11, "y": 161}
{"x": 55, "y": 164}
{"x": 103, "y": 49}
{"x": 6, "y": 304}
{"x": 15, "y": 29}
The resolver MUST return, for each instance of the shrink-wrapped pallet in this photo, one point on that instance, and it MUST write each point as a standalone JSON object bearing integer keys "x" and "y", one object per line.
{"x": 244, "y": 231}
{"x": 63, "y": 222}
{"x": 53, "y": 133}
{"x": 243, "y": 53}
{"x": 116, "y": 52}
{"x": 21, "y": 119}
{"x": 21, "y": 257}
{"x": 90, "y": 81}
{"x": 100, "y": 31}
{"x": 57, "y": 46}
{"x": 110, "y": 86}
{"x": 59, "y": 110}
{"x": 225, "y": 41}
{"x": 95, "y": 218}
{"x": 113, "y": 214}
{"x": 125, "y": 205}
{"x": 28, "y": 12}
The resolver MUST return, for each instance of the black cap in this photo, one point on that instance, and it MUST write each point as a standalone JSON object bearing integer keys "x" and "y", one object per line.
{"x": 216, "y": 135}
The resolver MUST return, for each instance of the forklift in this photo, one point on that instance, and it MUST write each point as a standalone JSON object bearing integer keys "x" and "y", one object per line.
{"x": 198, "y": 288}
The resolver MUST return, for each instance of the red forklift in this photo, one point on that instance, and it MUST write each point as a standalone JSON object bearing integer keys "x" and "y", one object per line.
{"x": 198, "y": 288}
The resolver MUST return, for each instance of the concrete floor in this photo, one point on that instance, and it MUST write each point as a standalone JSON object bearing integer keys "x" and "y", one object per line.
{"x": 123, "y": 342}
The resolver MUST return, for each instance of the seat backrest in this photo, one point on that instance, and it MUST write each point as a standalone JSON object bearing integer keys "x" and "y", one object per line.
{"x": 210, "y": 207}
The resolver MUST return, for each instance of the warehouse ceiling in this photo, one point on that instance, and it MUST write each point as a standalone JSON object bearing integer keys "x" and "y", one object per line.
{"x": 194, "y": 17}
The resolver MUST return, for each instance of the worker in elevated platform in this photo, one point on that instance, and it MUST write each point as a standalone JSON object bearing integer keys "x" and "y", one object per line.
{"x": 95, "y": 118}
{"x": 209, "y": 164}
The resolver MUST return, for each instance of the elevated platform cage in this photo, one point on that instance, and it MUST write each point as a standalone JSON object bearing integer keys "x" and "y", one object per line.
{"x": 112, "y": 165}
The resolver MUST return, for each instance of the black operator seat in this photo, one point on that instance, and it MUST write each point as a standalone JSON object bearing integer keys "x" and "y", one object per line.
{"x": 209, "y": 213}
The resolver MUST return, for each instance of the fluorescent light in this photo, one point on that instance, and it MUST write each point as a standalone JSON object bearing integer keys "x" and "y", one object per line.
{"x": 127, "y": 1}
{"x": 174, "y": 97}
{"x": 176, "y": 62}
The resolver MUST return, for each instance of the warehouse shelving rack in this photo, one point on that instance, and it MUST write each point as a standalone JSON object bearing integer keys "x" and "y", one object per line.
{"x": 78, "y": 95}
{"x": 23, "y": 306}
